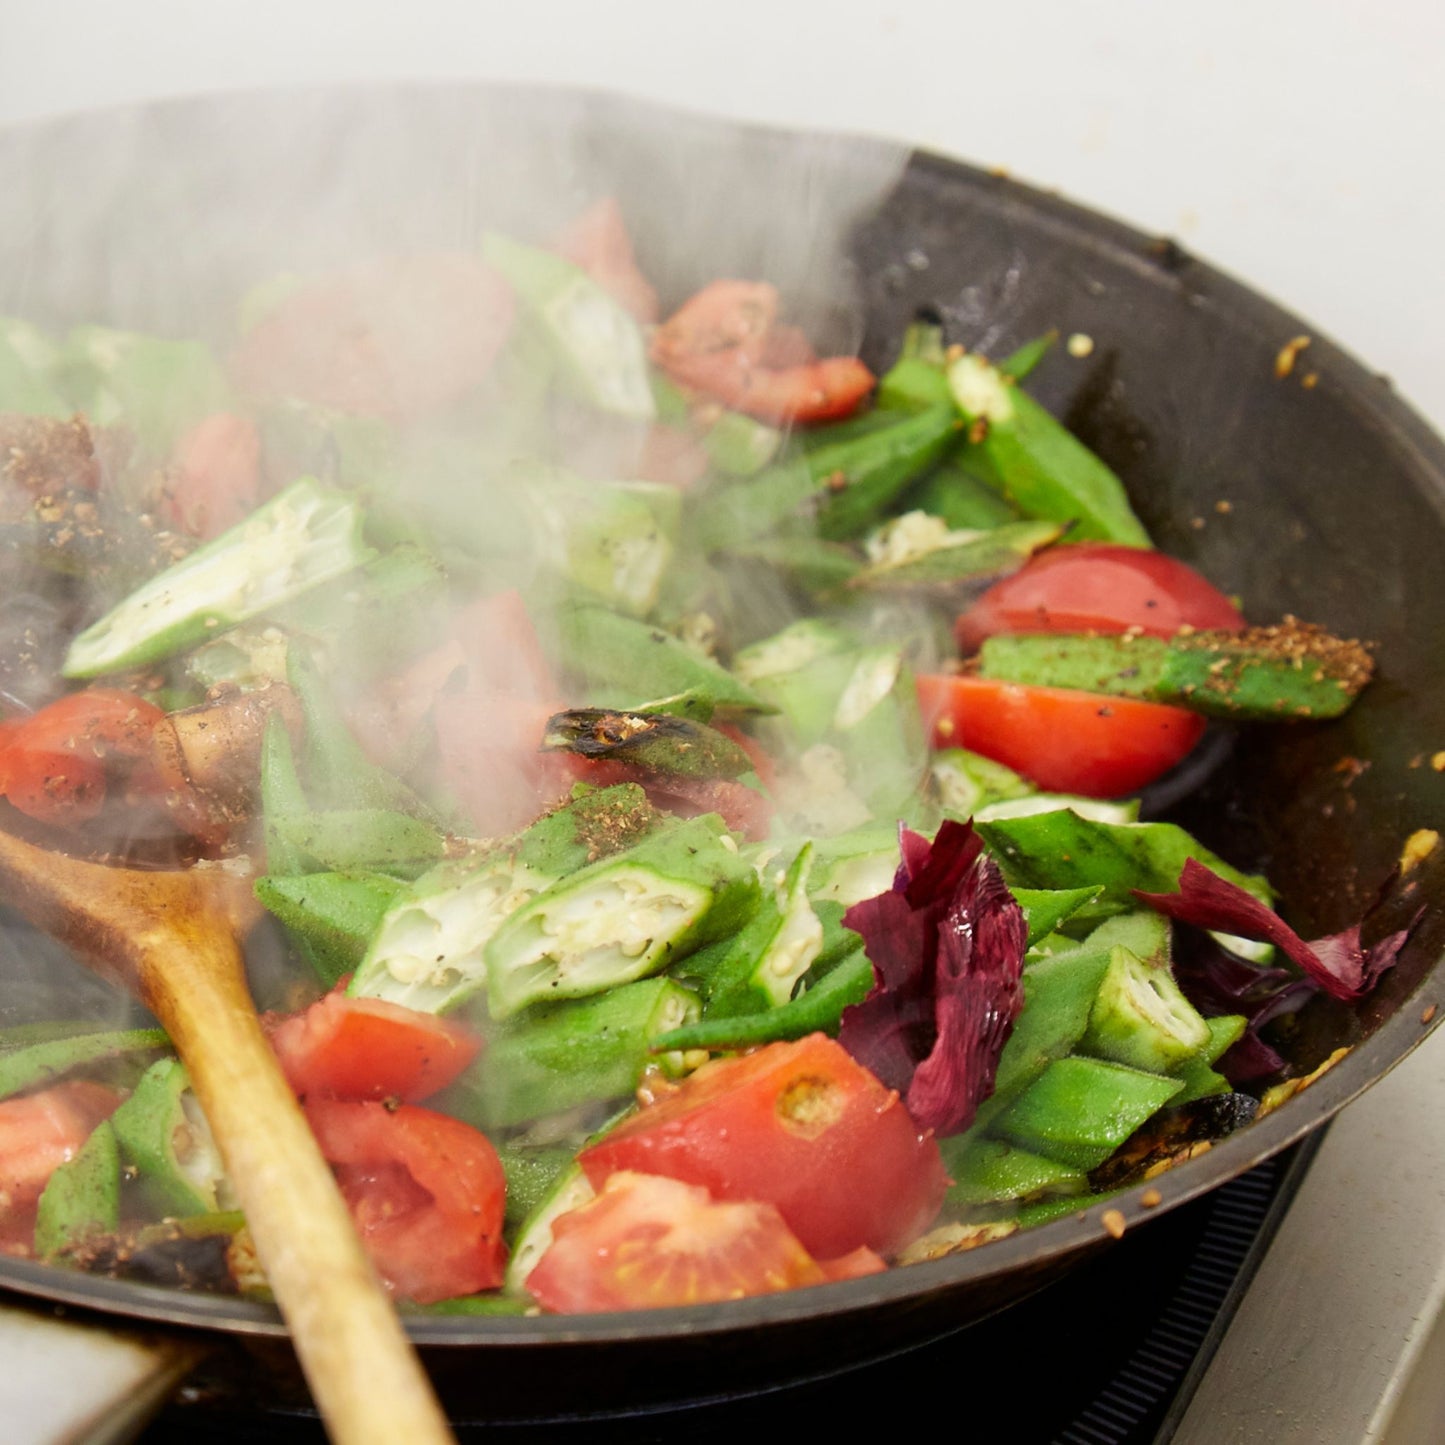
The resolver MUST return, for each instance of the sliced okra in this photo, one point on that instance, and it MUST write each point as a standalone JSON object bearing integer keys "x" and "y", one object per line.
{"x": 334, "y": 915}
{"x": 304, "y": 536}
{"x": 81, "y": 1198}
{"x": 164, "y": 1136}
{"x": 37, "y": 1064}
{"x": 622, "y": 918}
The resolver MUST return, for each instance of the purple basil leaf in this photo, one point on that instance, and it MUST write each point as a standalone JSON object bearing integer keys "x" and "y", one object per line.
{"x": 1338, "y": 963}
{"x": 947, "y": 945}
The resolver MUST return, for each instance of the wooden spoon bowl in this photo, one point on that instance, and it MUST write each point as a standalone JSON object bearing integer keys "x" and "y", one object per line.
{"x": 171, "y": 938}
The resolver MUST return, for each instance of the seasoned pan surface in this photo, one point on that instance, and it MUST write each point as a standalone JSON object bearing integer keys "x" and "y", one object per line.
{"x": 1317, "y": 492}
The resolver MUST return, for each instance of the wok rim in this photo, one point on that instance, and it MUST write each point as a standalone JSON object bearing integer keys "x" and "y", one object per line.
{"x": 1371, "y": 400}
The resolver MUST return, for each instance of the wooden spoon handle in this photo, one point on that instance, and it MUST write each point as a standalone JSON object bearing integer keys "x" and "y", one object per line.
{"x": 365, "y": 1377}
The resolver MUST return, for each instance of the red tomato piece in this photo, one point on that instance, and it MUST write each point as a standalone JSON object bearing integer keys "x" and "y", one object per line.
{"x": 1098, "y": 587}
{"x": 398, "y": 338}
{"x": 1064, "y": 740}
{"x": 39, "y": 1133}
{"x": 801, "y": 1126}
{"x": 731, "y": 318}
{"x": 426, "y": 1192}
{"x": 647, "y": 1242}
{"x": 367, "y": 1048}
{"x": 57, "y": 764}
{"x": 597, "y": 240}
{"x": 819, "y": 391}
{"x": 216, "y": 475}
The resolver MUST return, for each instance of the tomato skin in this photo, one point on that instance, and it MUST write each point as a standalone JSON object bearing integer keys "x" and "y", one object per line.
{"x": 426, "y": 1192}
{"x": 1098, "y": 587}
{"x": 39, "y": 1133}
{"x": 1064, "y": 740}
{"x": 801, "y": 1126}
{"x": 648, "y": 1242}
{"x": 57, "y": 765}
{"x": 724, "y": 343}
{"x": 367, "y": 1048}
{"x": 597, "y": 240}
{"x": 216, "y": 479}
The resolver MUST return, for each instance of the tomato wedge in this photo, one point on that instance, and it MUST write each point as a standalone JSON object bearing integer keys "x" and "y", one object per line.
{"x": 56, "y": 765}
{"x": 215, "y": 478}
{"x": 724, "y": 343}
{"x": 1098, "y": 587}
{"x": 426, "y": 1192}
{"x": 647, "y": 1242}
{"x": 367, "y": 1048}
{"x": 801, "y": 1126}
{"x": 1064, "y": 740}
{"x": 597, "y": 240}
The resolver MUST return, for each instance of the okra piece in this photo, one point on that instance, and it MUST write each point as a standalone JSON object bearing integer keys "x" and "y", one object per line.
{"x": 659, "y": 742}
{"x": 1047, "y": 909}
{"x": 1063, "y": 850}
{"x": 427, "y": 953}
{"x": 304, "y": 536}
{"x": 819, "y": 568}
{"x": 953, "y": 494}
{"x": 622, "y": 918}
{"x": 532, "y": 1171}
{"x": 343, "y": 840}
{"x": 556, "y": 1056}
{"x": 845, "y": 486}
{"x": 282, "y": 797}
{"x": 335, "y": 915}
{"x": 164, "y": 1136}
{"x": 919, "y": 553}
{"x": 27, "y": 361}
{"x": 622, "y": 662}
{"x": 772, "y": 951}
{"x": 818, "y": 1008}
{"x": 858, "y": 864}
{"x": 81, "y": 1198}
{"x": 877, "y": 727}
{"x": 1059, "y": 995}
{"x": 598, "y": 346}
{"x": 1080, "y": 1110}
{"x": 1035, "y": 462}
{"x": 337, "y": 772}
{"x": 741, "y": 446}
{"x": 1141, "y": 1018}
{"x": 986, "y": 1170}
{"x": 1197, "y": 1075}
{"x": 156, "y": 386}
{"x": 612, "y": 539}
{"x": 37, "y": 1065}
{"x": 1265, "y": 674}
{"x": 968, "y": 781}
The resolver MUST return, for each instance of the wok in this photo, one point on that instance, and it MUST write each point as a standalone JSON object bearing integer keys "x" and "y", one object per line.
{"x": 1317, "y": 492}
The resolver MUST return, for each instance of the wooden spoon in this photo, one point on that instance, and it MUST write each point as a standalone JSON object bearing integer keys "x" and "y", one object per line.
{"x": 171, "y": 938}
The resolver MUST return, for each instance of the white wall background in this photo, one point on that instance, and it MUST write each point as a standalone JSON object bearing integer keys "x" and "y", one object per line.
{"x": 1296, "y": 143}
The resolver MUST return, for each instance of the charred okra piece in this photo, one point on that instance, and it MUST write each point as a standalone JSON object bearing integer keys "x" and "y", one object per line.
{"x": 659, "y": 742}
{"x": 304, "y": 536}
{"x": 622, "y": 918}
{"x": 1034, "y": 461}
{"x": 1293, "y": 670}
{"x": 556, "y": 1056}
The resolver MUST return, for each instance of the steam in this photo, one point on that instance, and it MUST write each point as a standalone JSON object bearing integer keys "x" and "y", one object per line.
{"x": 161, "y": 219}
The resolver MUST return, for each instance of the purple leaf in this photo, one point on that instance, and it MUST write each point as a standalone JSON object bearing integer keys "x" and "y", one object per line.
{"x": 947, "y": 946}
{"x": 1338, "y": 962}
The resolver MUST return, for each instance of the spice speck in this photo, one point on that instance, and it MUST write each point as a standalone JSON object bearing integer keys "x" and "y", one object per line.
{"x": 1080, "y": 345}
{"x": 1113, "y": 1222}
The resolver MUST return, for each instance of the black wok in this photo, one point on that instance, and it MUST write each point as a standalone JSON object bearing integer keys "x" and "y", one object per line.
{"x": 1318, "y": 493}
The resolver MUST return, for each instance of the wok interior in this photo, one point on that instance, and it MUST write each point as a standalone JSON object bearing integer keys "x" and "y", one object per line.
{"x": 1323, "y": 499}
